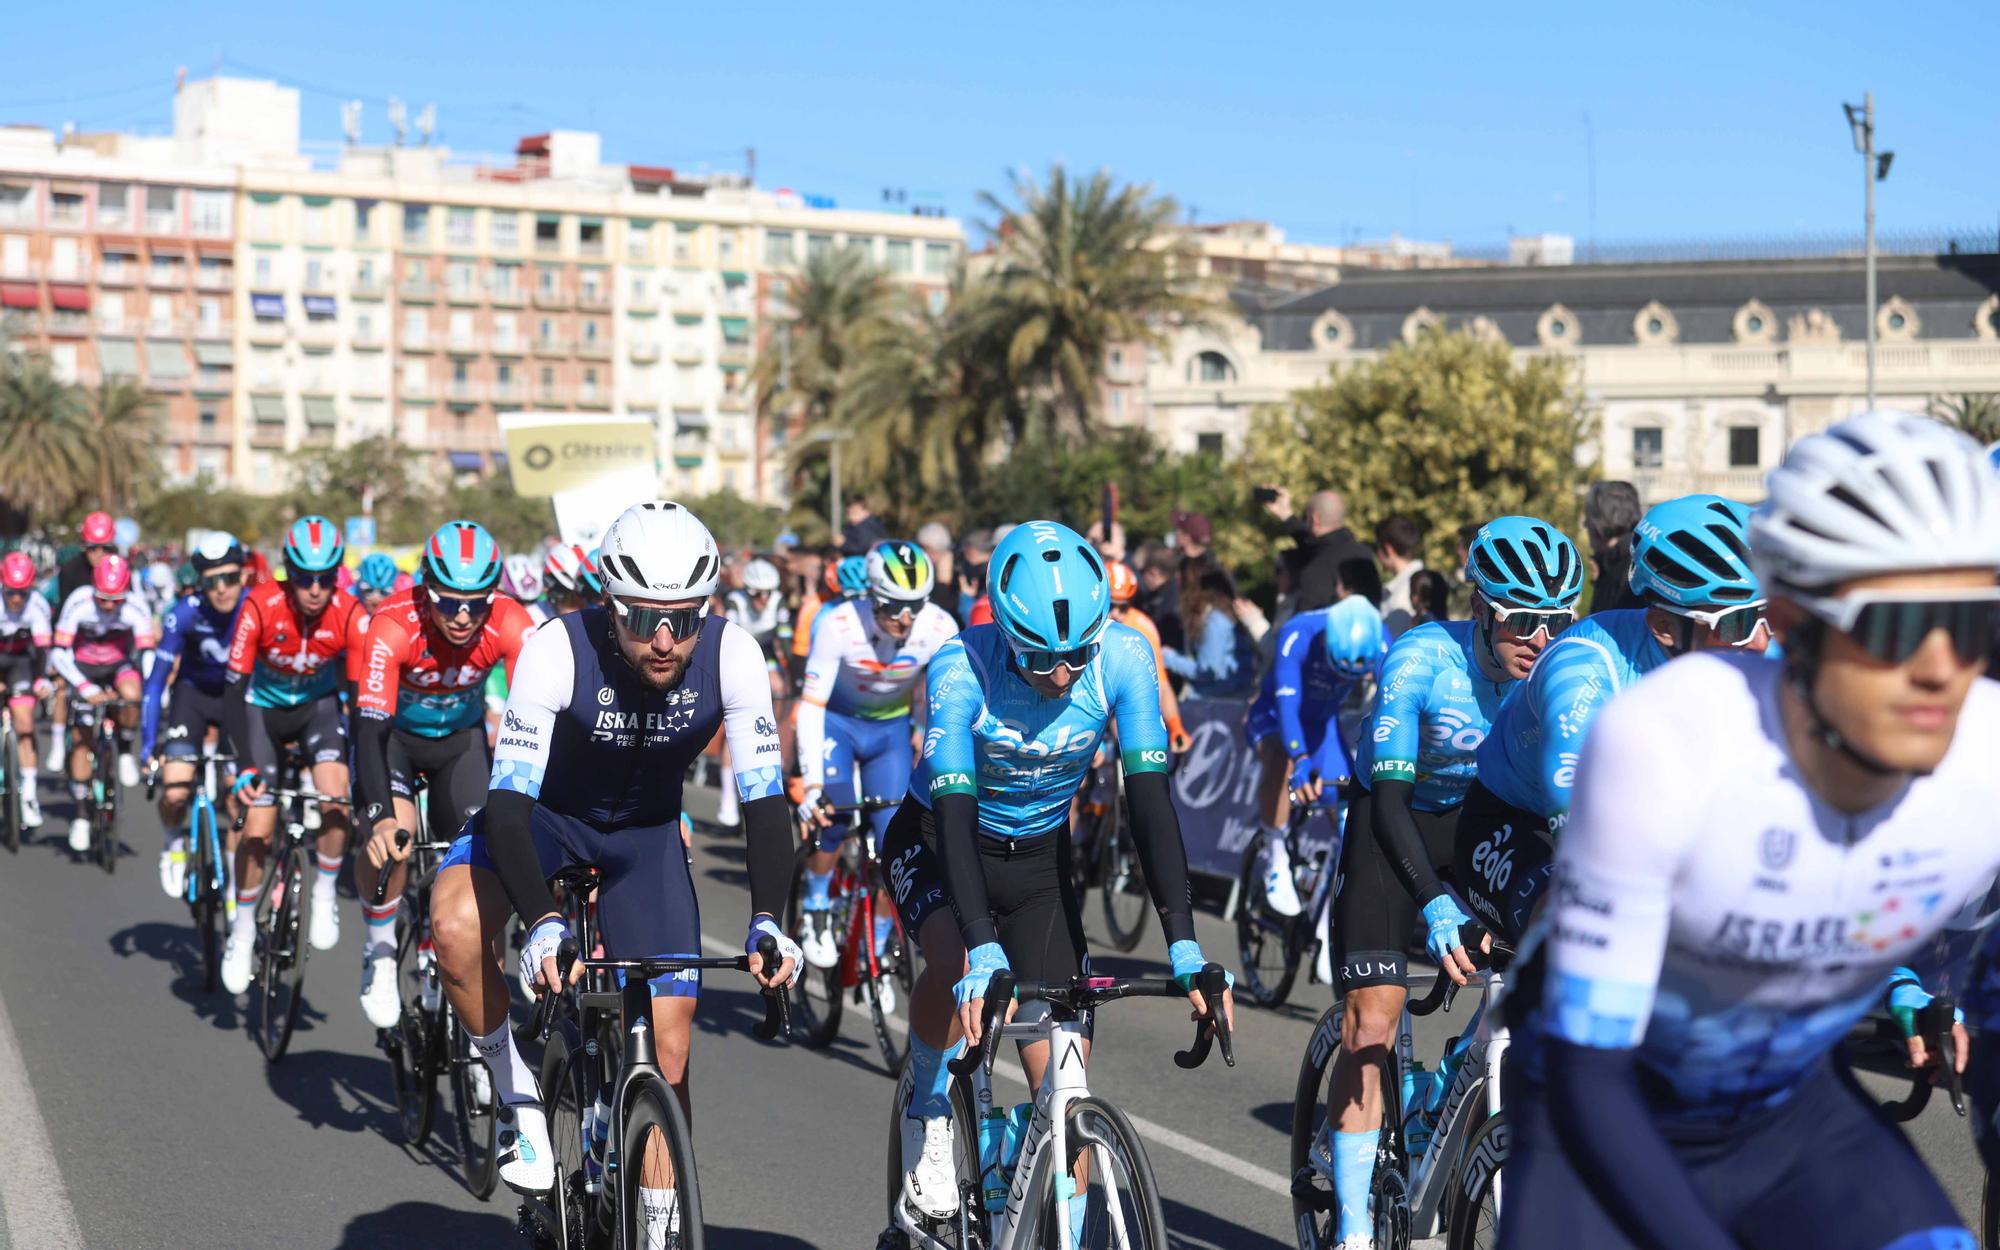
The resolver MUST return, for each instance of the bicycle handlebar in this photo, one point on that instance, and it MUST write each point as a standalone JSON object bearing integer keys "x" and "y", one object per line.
{"x": 382, "y": 876}
{"x": 777, "y": 1021}
{"x": 279, "y": 796}
{"x": 1471, "y": 936}
{"x": 1934, "y": 1025}
{"x": 1084, "y": 993}
{"x": 154, "y": 784}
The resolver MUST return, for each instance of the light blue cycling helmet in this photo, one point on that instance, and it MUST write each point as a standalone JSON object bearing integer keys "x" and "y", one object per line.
{"x": 853, "y": 576}
{"x": 462, "y": 557}
{"x": 1694, "y": 552}
{"x": 1355, "y": 639}
{"x": 1048, "y": 590}
{"x": 1524, "y": 562}
{"x": 377, "y": 572}
{"x": 313, "y": 545}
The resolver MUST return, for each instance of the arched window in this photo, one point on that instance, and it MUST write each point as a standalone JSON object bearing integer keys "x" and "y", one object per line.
{"x": 1211, "y": 367}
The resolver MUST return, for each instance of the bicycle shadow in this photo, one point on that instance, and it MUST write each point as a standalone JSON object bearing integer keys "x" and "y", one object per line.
{"x": 177, "y": 946}
{"x": 1274, "y": 1115}
{"x": 751, "y": 1239}
{"x": 332, "y": 1090}
{"x": 421, "y": 1225}
{"x": 1191, "y": 1228}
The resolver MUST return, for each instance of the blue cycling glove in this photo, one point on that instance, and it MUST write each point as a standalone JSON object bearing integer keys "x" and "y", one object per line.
{"x": 982, "y": 961}
{"x": 762, "y": 927}
{"x": 1188, "y": 961}
{"x": 1907, "y": 997}
{"x": 1442, "y": 919}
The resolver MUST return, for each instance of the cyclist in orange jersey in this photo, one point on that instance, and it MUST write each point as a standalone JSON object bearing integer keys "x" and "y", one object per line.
{"x": 1124, "y": 587}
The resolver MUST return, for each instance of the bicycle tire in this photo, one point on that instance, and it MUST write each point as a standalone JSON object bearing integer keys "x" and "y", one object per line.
{"x": 1989, "y": 1213}
{"x": 816, "y": 1002}
{"x": 893, "y": 967}
{"x": 477, "y": 1128}
{"x": 210, "y": 918}
{"x": 104, "y": 819}
{"x": 965, "y": 1149}
{"x": 1103, "y": 1129}
{"x": 1267, "y": 955}
{"x": 1313, "y": 1207}
{"x": 281, "y": 970}
{"x": 10, "y": 761}
{"x": 650, "y": 1104}
{"x": 564, "y": 1097}
{"x": 410, "y": 1045}
{"x": 1120, "y": 884}
{"x": 1474, "y": 1212}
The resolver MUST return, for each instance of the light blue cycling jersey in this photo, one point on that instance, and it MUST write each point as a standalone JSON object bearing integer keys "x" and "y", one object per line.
{"x": 1433, "y": 710}
{"x": 1529, "y": 757}
{"x": 1020, "y": 754}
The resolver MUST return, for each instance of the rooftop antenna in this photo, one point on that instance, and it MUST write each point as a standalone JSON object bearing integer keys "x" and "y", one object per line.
{"x": 350, "y": 122}
{"x": 399, "y": 119}
{"x": 427, "y": 121}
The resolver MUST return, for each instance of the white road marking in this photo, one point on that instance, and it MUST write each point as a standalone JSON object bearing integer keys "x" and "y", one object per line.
{"x": 32, "y": 1196}
{"x": 1159, "y": 1134}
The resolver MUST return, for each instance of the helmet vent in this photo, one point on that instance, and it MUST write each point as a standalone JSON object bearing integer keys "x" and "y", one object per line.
{"x": 1090, "y": 558}
{"x": 1062, "y": 618}
{"x": 1852, "y": 500}
{"x": 701, "y": 568}
{"x": 1007, "y": 572}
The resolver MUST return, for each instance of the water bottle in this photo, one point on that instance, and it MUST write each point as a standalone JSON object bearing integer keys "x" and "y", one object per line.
{"x": 1416, "y": 1109}
{"x": 994, "y": 1127}
{"x": 596, "y": 1131}
{"x": 429, "y": 991}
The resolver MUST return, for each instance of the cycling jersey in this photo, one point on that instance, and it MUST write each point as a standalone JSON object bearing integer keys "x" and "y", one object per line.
{"x": 287, "y": 663}
{"x": 856, "y": 670}
{"x": 1023, "y": 755}
{"x": 765, "y": 626}
{"x": 86, "y": 636}
{"x": 426, "y": 686}
{"x": 1528, "y": 759}
{"x": 25, "y": 631}
{"x": 1302, "y": 695}
{"x": 197, "y": 637}
{"x": 1435, "y": 708}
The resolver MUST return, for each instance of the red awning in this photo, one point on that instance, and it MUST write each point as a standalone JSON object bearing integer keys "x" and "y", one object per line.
{"x": 19, "y": 295}
{"x": 70, "y": 298}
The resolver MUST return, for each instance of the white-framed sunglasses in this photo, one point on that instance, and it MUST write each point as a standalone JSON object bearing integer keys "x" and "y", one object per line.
{"x": 1735, "y": 626}
{"x": 1527, "y": 624}
{"x": 1891, "y": 625}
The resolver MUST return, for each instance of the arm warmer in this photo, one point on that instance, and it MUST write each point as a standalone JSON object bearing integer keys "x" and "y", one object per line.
{"x": 1397, "y": 834}
{"x": 511, "y": 847}
{"x": 768, "y": 845}
{"x": 1162, "y": 857}
{"x": 236, "y": 719}
{"x": 958, "y": 862}
{"x": 371, "y": 767}
{"x": 156, "y": 685}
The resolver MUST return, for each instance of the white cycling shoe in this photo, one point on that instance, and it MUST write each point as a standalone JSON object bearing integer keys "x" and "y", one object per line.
{"x": 1358, "y": 1241}
{"x": 930, "y": 1172}
{"x": 236, "y": 962}
{"x": 379, "y": 999}
{"x": 128, "y": 770}
{"x": 817, "y": 941}
{"x": 1280, "y": 894}
{"x": 31, "y": 805}
{"x": 325, "y": 933}
{"x": 79, "y": 834}
{"x": 173, "y": 866}
{"x": 527, "y": 1163}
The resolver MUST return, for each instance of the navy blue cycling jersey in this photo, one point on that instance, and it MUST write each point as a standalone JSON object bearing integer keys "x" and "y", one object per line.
{"x": 198, "y": 637}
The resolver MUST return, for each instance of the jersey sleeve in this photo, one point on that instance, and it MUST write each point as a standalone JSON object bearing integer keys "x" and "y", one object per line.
{"x": 514, "y": 631}
{"x": 169, "y": 650}
{"x": 543, "y": 681}
{"x": 1568, "y": 695}
{"x": 1288, "y": 668}
{"x": 243, "y": 642}
{"x": 357, "y": 643}
{"x": 67, "y": 621}
{"x": 953, "y": 692}
{"x": 40, "y": 627}
{"x": 1132, "y": 689}
{"x": 822, "y": 671}
{"x": 747, "y": 720}
{"x": 1394, "y": 728}
{"x": 139, "y": 619}
{"x": 383, "y": 648}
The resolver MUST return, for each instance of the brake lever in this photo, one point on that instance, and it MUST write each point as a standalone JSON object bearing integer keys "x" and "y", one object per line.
{"x": 1212, "y": 1027}
{"x": 999, "y": 992}
{"x": 545, "y": 1007}
{"x": 1938, "y": 1037}
{"x": 777, "y": 1021}
{"x": 382, "y": 877}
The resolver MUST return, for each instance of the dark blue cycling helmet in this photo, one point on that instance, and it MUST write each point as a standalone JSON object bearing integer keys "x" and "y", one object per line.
{"x": 1694, "y": 552}
{"x": 1524, "y": 562}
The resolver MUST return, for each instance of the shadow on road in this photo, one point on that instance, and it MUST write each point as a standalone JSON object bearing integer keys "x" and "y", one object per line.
{"x": 176, "y": 946}
{"x": 1189, "y": 1228}
{"x": 1274, "y": 1115}
{"x": 411, "y": 1225}
{"x": 339, "y": 1091}
{"x": 751, "y": 1239}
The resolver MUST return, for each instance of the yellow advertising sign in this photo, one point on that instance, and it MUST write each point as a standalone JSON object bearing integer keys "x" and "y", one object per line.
{"x": 548, "y": 453}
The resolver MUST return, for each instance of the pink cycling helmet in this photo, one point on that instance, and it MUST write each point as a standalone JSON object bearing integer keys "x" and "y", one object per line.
{"x": 17, "y": 571}
{"x": 99, "y": 530}
{"x": 112, "y": 578}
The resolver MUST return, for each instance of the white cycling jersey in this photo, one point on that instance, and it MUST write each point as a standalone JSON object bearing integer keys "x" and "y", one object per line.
{"x": 86, "y": 634}
{"x": 28, "y": 627}
{"x": 1714, "y": 914}
{"x": 855, "y": 669}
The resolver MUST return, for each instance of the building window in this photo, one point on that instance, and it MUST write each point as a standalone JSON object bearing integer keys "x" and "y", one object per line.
{"x": 725, "y": 246}
{"x": 590, "y": 236}
{"x": 1754, "y": 324}
{"x": 1897, "y": 321}
{"x": 461, "y": 374}
{"x": 590, "y": 332}
{"x": 1648, "y": 447}
{"x": 1208, "y": 444}
{"x": 861, "y": 243}
{"x": 458, "y": 225}
{"x": 545, "y": 280}
{"x": 1558, "y": 328}
{"x": 937, "y": 259}
{"x": 264, "y": 218}
{"x": 1213, "y": 367}
{"x": 312, "y": 222}
{"x": 65, "y": 208}
{"x": 638, "y": 240}
{"x": 261, "y": 267}
{"x": 162, "y": 213}
{"x": 507, "y": 280}
{"x": 504, "y": 331}
{"x": 364, "y": 218}
{"x": 1330, "y": 332}
{"x": 1118, "y": 402}
{"x": 506, "y": 231}
{"x": 818, "y": 245}
{"x": 416, "y": 325}
{"x": 315, "y": 276}
{"x": 458, "y": 276}
{"x": 416, "y": 225}
{"x": 901, "y": 258}
{"x": 206, "y": 416}
{"x": 114, "y": 206}
{"x": 548, "y": 233}
{"x": 777, "y": 246}
{"x": 1743, "y": 447}
{"x": 15, "y": 204}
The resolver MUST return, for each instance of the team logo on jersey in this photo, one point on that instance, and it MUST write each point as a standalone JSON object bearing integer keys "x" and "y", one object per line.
{"x": 1454, "y": 729}
{"x": 516, "y": 724}
{"x": 605, "y": 696}
{"x": 765, "y": 728}
{"x": 1776, "y": 846}
{"x": 1384, "y": 727}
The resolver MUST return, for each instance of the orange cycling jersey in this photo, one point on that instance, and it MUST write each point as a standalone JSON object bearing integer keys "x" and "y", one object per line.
{"x": 1144, "y": 624}
{"x": 291, "y": 662}
{"x": 427, "y": 686}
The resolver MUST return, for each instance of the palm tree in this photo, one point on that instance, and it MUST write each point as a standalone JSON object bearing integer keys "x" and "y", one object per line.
{"x": 1976, "y": 414}
{"x": 122, "y": 423}
{"x": 47, "y": 459}
{"x": 1080, "y": 268}
{"x": 801, "y": 366}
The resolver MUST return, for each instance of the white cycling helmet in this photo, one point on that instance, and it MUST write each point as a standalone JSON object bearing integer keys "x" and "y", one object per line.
{"x": 1882, "y": 492}
{"x": 760, "y": 575}
{"x": 900, "y": 572}
{"x": 659, "y": 550}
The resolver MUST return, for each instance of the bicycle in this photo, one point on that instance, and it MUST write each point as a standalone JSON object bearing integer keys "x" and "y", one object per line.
{"x": 281, "y": 904}
{"x": 598, "y": 1053}
{"x": 102, "y": 791}
{"x": 1443, "y": 1140}
{"x": 207, "y": 884}
{"x": 11, "y": 783}
{"x": 1104, "y": 857}
{"x": 1122, "y": 1198}
{"x": 883, "y": 974}
{"x": 1270, "y": 946}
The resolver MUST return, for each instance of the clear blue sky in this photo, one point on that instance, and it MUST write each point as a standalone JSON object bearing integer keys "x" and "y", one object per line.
{"x": 1335, "y": 121}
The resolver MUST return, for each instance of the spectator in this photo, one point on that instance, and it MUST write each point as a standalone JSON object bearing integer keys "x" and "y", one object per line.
{"x": 1192, "y": 534}
{"x": 864, "y": 528}
{"x": 975, "y": 550}
{"x": 1223, "y": 663}
{"x": 1430, "y": 596}
{"x": 1160, "y": 591}
{"x": 1610, "y": 511}
{"x": 1399, "y": 540}
{"x": 1461, "y": 589}
{"x": 1112, "y": 548}
{"x": 1358, "y": 576}
{"x": 1322, "y": 535}
{"x": 935, "y": 539}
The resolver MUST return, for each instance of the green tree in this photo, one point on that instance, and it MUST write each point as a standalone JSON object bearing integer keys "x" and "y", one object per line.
{"x": 518, "y": 524}
{"x": 336, "y": 481}
{"x": 46, "y": 460}
{"x": 801, "y": 367}
{"x": 1449, "y": 430}
{"x": 1976, "y": 414}
{"x": 120, "y": 421}
{"x": 735, "y": 521}
{"x": 254, "y": 519}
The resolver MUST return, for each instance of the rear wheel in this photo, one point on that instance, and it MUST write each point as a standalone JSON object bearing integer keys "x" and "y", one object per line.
{"x": 10, "y": 778}
{"x": 1314, "y": 1203}
{"x": 1268, "y": 957}
{"x": 816, "y": 1002}
{"x": 281, "y": 960}
{"x": 411, "y": 1045}
{"x": 893, "y": 982}
{"x": 1122, "y": 888}
{"x": 210, "y": 919}
{"x": 1475, "y": 1190}
{"x": 104, "y": 819}
{"x": 1121, "y": 1207}
{"x": 472, "y": 1109}
{"x": 653, "y": 1115}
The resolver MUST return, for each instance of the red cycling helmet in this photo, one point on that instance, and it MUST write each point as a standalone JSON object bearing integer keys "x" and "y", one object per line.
{"x": 112, "y": 577}
{"x": 17, "y": 571}
{"x": 99, "y": 530}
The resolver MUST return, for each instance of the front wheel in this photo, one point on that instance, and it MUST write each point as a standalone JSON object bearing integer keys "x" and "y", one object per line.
{"x": 653, "y": 1117}
{"x": 565, "y": 1094}
{"x": 893, "y": 981}
{"x": 281, "y": 962}
{"x": 410, "y": 1045}
{"x": 1120, "y": 886}
{"x": 816, "y": 1006}
{"x": 10, "y": 778}
{"x": 1267, "y": 956}
{"x": 211, "y": 918}
{"x": 104, "y": 819}
{"x": 1121, "y": 1206}
{"x": 472, "y": 1109}
{"x": 1475, "y": 1191}
{"x": 1314, "y": 1203}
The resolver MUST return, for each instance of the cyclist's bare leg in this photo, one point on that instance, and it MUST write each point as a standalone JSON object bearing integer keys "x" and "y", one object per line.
{"x": 933, "y": 1013}
{"x": 176, "y": 789}
{"x": 1368, "y": 1025}
{"x": 253, "y": 847}
{"x": 23, "y": 713}
{"x": 129, "y": 686}
{"x": 468, "y": 909}
{"x": 331, "y": 781}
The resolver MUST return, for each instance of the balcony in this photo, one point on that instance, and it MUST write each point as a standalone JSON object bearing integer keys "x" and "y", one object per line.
{"x": 419, "y": 290}
{"x": 162, "y": 221}
{"x": 369, "y": 285}
{"x": 593, "y": 397}
{"x": 464, "y": 391}
{"x": 267, "y": 330}
{"x": 734, "y": 354}
{"x": 367, "y": 337}
{"x": 690, "y": 304}
{"x": 462, "y": 341}
{"x": 417, "y": 342}
{"x": 317, "y": 284}
{"x": 593, "y": 300}
{"x": 508, "y": 296}
{"x": 688, "y": 354}
{"x": 507, "y": 345}
{"x": 121, "y": 274}
{"x": 166, "y": 327}
{"x": 215, "y": 331}
{"x": 78, "y": 270}
{"x": 552, "y": 396}
{"x": 509, "y": 392}
{"x": 551, "y": 347}
{"x": 594, "y": 349}
{"x": 368, "y": 384}
{"x": 548, "y": 245}
{"x": 547, "y": 298}
{"x": 463, "y": 293}
{"x": 319, "y": 332}
{"x": 267, "y": 434}
{"x": 644, "y": 301}
{"x": 212, "y": 278}
{"x": 644, "y": 351}
{"x": 167, "y": 277}
{"x": 733, "y": 401}
{"x": 416, "y": 388}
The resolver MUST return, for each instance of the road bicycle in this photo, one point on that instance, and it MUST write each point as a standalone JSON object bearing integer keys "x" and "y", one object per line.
{"x": 1104, "y": 857}
{"x": 206, "y": 886}
{"x": 599, "y": 1068}
{"x": 1443, "y": 1136}
{"x": 102, "y": 792}
{"x": 1271, "y": 947}
{"x": 877, "y": 963}
{"x": 282, "y": 905}
{"x": 11, "y": 783}
{"x": 1075, "y": 1145}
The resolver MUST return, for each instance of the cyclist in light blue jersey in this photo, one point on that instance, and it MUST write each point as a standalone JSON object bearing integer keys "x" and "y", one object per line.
{"x": 1018, "y": 709}
{"x": 1691, "y": 566}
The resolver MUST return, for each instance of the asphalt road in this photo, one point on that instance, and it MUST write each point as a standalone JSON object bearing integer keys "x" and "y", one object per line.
{"x": 139, "y": 1113}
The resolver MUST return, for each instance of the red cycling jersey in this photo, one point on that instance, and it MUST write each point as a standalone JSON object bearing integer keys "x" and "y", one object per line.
{"x": 287, "y": 663}
{"x": 428, "y": 686}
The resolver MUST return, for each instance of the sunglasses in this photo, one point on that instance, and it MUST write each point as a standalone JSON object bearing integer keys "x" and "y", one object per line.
{"x": 895, "y": 611}
{"x": 1891, "y": 628}
{"x": 101, "y": 548}
{"x": 644, "y": 622}
{"x": 213, "y": 581}
{"x": 1042, "y": 663}
{"x": 1733, "y": 627}
{"x": 312, "y": 581}
{"x": 451, "y": 607}
{"x": 1526, "y": 623}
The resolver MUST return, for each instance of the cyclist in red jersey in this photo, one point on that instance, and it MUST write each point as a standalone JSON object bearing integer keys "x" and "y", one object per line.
{"x": 419, "y": 711}
{"x": 298, "y": 646}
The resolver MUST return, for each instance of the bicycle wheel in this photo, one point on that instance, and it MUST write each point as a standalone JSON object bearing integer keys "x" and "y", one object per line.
{"x": 281, "y": 962}
{"x": 816, "y": 999}
{"x": 472, "y": 1110}
{"x": 104, "y": 820}
{"x": 1314, "y": 1204}
{"x": 1475, "y": 1191}
{"x": 10, "y": 778}
{"x": 210, "y": 919}
{"x": 1121, "y": 1198}
{"x": 1126, "y": 904}
{"x": 410, "y": 1045}
{"x": 893, "y": 981}
{"x": 1268, "y": 957}
{"x": 653, "y": 1114}
{"x": 963, "y": 1232}
{"x": 565, "y": 1071}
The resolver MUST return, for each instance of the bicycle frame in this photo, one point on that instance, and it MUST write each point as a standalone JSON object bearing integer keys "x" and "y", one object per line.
{"x": 202, "y": 827}
{"x": 861, "y": 913}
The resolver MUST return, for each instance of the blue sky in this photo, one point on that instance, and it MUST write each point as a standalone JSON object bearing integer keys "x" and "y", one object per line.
{"x": 1335, "y": 121}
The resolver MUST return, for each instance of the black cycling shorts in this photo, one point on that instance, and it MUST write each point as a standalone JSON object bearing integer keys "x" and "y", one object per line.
{"x": 909, "y": 858}
{"x": 318, "y": 728}
{"x": 1503, "y": 861}
{"x": 189, "y": 715}
{"x": 18, "y": 673}
{"x": 1374, "y": 917}
{"x": 105, "y": 676}
{"x": 456, "y": 766}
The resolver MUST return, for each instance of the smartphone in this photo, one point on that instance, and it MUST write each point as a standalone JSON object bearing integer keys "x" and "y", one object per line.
{"x": 1264, "y": 495}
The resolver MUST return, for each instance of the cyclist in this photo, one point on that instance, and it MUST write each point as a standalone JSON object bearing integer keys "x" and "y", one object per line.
{"x": 193, "y": 658}
{"x": 521, "y": 581}
{"x": 296, "y": 641}
{"x": 25, "y": 632}
{"x": 758, "y": 607}
{"x": 375, "y": 580}
{"x": 99, "y": 538}
{"x": 609, "y": 707}
{"x": 1755, "y": 844}
{"x": 419, "y": 712}
{"x": 1441, "y": 686}
{"x": 100, "y": 637}
{"x": 1124, "y": 610}
{"x": 854, "y": 713}
{"x": 571, "y": 580}
{"x": 1017, "y": 709}
{"x": 1691, "y": 568}
{"x": 1294, "y": 722}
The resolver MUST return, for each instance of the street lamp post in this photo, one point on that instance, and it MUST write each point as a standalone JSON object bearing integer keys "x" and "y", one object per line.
{"x": 1861, "y": 120}
{"x": 833, "y": 438}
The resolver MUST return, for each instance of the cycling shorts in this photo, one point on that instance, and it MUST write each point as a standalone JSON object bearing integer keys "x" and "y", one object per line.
{"x": 1502, "y": 862}
{"x": 1318, "y": 721}
{"x": 874, "y": 752}
{"x": 18, "y": 675}
{"x": 317, "y": 727}
{"x": 1374, "y": 917}
{"x": 1822, "y": 1169}
{"x": 109, "y": 674}
{"x": 189, "y": 716}
{"x": 645, "y": 898}
{"x": 456, "y": 766}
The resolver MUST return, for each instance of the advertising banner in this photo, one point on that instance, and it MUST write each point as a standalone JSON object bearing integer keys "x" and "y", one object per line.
{"x": 553, "y": 453}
